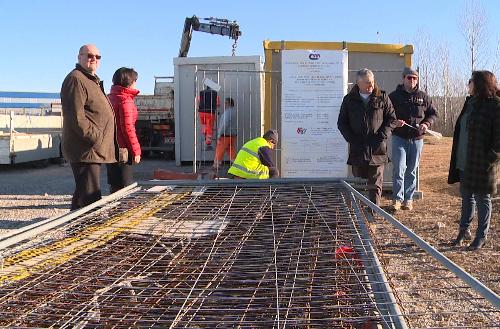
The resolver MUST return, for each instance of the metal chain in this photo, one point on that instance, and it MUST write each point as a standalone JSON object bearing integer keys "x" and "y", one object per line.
{"x": 235, "y": 44}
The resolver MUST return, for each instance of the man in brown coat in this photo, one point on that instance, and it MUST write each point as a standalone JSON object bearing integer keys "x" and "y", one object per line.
{"x": 88, "y": 138}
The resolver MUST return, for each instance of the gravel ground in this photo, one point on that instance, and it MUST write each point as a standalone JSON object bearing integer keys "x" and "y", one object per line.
{"x": 32, "y": 192}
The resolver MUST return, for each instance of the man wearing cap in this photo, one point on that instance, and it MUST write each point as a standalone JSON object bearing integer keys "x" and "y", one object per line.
{"x": 254, "y": 160}
{"x": 414, "y": 108}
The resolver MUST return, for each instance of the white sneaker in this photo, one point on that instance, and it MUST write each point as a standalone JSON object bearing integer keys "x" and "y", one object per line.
{"x": 396, "y": 205}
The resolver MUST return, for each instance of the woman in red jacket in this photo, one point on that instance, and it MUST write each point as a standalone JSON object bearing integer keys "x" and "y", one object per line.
{"x": 122, "y": 97}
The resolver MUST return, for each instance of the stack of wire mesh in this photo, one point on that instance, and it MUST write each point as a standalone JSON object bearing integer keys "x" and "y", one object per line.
{"x": 234, "y": 254}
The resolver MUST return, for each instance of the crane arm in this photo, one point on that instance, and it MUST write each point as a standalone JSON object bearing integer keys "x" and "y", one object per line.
{"x": 213, "y": 25}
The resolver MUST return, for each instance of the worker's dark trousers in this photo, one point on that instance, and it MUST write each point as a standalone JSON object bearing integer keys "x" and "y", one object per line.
{"x": 88, "y": 187}
{"x": 375, "y": 177}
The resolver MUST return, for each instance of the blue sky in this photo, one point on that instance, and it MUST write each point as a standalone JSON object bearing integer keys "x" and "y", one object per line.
{"x": 40, "y": 38}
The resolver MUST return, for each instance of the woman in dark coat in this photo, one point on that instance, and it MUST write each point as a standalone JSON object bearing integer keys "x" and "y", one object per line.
{"x": 475, "y": 155}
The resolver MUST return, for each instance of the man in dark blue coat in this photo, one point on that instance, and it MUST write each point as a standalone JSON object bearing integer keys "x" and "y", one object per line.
{"x": 366, "y": 120}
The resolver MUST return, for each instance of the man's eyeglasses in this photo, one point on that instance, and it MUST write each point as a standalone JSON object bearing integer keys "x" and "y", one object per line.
{"x": 90, "y": 56}
{"x": 409, "y": 77}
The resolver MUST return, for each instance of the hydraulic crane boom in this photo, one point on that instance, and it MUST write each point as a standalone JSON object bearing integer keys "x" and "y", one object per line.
{"x": 220, "y": 26}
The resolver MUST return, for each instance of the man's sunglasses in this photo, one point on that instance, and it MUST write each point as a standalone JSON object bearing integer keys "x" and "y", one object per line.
{"x": 409, "y": 77}
{"x": 90, "y": 56}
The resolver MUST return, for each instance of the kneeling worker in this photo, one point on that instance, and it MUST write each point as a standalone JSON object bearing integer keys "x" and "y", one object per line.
{"x": 254, "y": 160}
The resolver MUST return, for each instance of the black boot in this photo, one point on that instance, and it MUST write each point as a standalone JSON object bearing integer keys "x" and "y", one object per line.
{"x": 478, "y": 243}
{"x": 463, "y": 234}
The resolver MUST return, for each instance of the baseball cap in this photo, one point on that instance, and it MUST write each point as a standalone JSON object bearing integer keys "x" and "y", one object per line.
{"x": 409, "y": 71}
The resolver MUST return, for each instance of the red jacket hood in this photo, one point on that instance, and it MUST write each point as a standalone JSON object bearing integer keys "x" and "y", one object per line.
{"x": 123, "y": 91}
{"x": 126, "y": 114}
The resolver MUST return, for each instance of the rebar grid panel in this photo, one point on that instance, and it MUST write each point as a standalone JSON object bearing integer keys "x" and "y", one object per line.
{"x": 428, "y": 294}
{"x": 264, "y": 256}
{"x": 285, "y": 255}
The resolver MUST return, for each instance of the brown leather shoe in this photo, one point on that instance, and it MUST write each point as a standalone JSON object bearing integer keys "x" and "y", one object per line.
{"x": 478, "y": 243}
{"x": 407, "y": 205}
{"x": 462, "y": 236}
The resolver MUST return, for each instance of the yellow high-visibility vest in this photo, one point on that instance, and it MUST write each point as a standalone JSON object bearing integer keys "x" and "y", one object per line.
{"x": 247, "y": 163}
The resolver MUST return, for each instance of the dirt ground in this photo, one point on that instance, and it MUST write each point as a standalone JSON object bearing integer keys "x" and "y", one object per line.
{"x": 436, "y": 217}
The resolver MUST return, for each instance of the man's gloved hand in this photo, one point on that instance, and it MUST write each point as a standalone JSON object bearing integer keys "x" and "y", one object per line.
{"x": 378, "y": 145}
{"x": 377, "y": 138}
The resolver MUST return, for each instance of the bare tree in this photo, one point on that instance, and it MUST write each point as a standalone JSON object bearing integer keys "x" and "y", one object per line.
{"x": 496, "y": 57}
{"x": 452, "y": 88}
{"x": 472, "y": 24}
{"x": 441, "y": 78}
{"x": 422, "y": 57}
{"x": 441, "y": 74}
{"x": 443, "y": 67}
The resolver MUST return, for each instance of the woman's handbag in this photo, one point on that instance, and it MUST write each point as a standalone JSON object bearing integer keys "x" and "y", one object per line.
{"x": 123, "y": 155}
